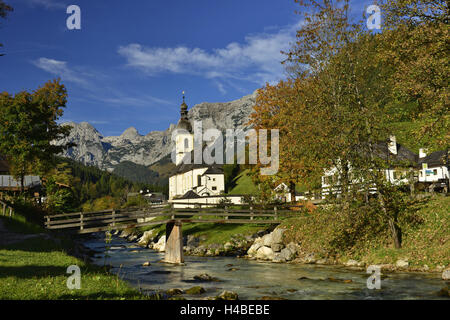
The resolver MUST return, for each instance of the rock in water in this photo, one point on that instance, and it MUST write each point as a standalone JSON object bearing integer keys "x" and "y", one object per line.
{"x": 287, "y": 254}
{"x": 205, "y": 277}
{"x": 265, "y": 253}
{"x": 174, "y": 292}
{"x": 195, "y": 290}
{"x": 160, "y": 245}
{"x": 254, "y": 249}
{"x": 227, "y": 295}
{"x": 351, "y": 263}
{"x": 146, "y": 238}
{"x": 402, "y": 263}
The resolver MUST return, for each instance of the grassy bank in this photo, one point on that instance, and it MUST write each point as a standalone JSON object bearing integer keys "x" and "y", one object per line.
{"x": 425, "y": 236}
{"x": 35, "y": 268}
{"x": 212, "y": 233}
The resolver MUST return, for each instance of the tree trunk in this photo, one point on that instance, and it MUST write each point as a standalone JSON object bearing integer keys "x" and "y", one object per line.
{"x": 292, "y": 190}
{"x": 22, "y": 182}
{"x": 393, "y": 227}
{"x": 395, "y": 233}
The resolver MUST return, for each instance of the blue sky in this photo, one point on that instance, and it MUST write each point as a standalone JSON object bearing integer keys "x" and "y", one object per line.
{"x": 130, "y": 61}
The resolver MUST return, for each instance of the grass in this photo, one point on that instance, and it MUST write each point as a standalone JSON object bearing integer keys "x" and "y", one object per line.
{"x": 244, "y": 184}
{"x": 426, "y": 242}
{"x": 36, "y": 269}
{"x": 19, "y": 224}
{"x": 212, "y": 232}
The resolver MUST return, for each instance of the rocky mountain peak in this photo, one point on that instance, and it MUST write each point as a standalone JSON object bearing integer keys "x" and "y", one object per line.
{"x": 107, "y": 152}
{"x": 131, "y": 134}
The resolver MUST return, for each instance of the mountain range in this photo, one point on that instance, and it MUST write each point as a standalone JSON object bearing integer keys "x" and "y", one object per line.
{"x": 132, "y": 151}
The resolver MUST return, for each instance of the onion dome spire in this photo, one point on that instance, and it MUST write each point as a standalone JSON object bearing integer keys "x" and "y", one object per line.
{"x": 184, "y": 122}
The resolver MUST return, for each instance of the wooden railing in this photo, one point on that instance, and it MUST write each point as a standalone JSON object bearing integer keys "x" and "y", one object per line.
{"x": 114, "y": 219}
{"x": 6, "y": 209}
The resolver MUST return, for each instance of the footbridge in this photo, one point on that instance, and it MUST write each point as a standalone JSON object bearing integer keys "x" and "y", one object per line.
{"x": 172, "y": 217}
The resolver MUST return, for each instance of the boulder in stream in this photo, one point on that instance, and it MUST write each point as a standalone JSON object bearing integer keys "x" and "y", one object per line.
{"x": 196, "y": 290}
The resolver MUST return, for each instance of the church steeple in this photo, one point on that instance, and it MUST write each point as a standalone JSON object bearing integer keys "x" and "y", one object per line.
{"x": 184, "y": 122}
{"x": 183, "y": 108}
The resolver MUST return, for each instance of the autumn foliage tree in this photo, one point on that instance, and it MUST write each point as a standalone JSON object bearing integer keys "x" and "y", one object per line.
{"x": 416, "y": 42}
{"x": 346, "y": 85}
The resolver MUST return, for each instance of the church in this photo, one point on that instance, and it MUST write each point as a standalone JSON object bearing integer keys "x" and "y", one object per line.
{"x": 192, "y": 180}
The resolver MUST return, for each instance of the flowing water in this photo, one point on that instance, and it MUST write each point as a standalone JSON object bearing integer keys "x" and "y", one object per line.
{"x": 253, "y": 280}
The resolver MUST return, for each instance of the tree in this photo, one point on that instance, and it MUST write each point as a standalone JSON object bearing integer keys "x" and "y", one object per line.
{"x": 28, "y": 125}
{"x": 335, "y": 109}
{"x": 415, "y": 43}
{"x": 4, "y": 10}
{"x": 284, "y": 107}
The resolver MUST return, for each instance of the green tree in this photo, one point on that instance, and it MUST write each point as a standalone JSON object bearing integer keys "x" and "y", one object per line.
{"x": 28, "y": 125}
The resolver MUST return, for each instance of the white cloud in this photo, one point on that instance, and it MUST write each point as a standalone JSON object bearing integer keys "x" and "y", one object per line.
{"x": 81, "y": 77}
{"x": 60, "y": 69}
{"x": 258, "y": 59}
{"x": 48, "y": 4}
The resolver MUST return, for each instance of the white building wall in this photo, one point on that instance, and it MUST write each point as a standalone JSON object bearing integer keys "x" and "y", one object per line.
{"x": 184, "y": 144}
{"x": 217, "y": 181}
{"x": 433, "y": 174}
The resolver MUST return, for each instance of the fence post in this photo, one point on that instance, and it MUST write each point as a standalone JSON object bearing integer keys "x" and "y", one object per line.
{"x": 81, "y": 221}
{"x": 251, "y": 213}
{"x": 4, "y": 208}
{"x": 276, "y": 212}
{"x": 114, "y": 218}
{"x": 172, "y": 216}
{"x": 10, "y": 212}
{"x": 226, "y": 212}
{"x": 48, "y": 222}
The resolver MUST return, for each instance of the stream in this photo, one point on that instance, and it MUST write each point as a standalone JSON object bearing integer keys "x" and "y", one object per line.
{"x": 252, "y": 279}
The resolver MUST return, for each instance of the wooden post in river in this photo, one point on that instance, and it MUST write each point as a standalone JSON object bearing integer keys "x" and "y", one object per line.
{"x": 174, "y": 243}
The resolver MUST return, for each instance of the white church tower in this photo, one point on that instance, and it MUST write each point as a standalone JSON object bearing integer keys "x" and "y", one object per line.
{"x": 184, "y": 141}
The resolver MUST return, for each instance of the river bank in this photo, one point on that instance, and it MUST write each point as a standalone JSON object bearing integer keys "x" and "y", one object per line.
{"x": 33, "y": 265}
{"x": 208, "y": 277}
{"x": 310, "y": 239}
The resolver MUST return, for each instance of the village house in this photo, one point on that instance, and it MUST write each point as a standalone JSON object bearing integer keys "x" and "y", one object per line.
{"x": 402, "y": 166}
{"x": 10, "y": 185}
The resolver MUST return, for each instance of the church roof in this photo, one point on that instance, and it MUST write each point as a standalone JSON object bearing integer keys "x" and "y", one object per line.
{"x": 214, "y": 170}
{"x": 184, "y": 124}
{"x": 190, "y": 195}
{"x": 185, "y": 167}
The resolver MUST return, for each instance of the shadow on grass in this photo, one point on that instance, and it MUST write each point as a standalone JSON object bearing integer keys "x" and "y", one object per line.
{"x": 36, "y": 244}
{"x": 32, "y": 271}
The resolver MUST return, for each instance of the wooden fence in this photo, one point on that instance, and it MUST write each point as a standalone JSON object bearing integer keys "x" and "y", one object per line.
{"x": 115, "y": 219}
